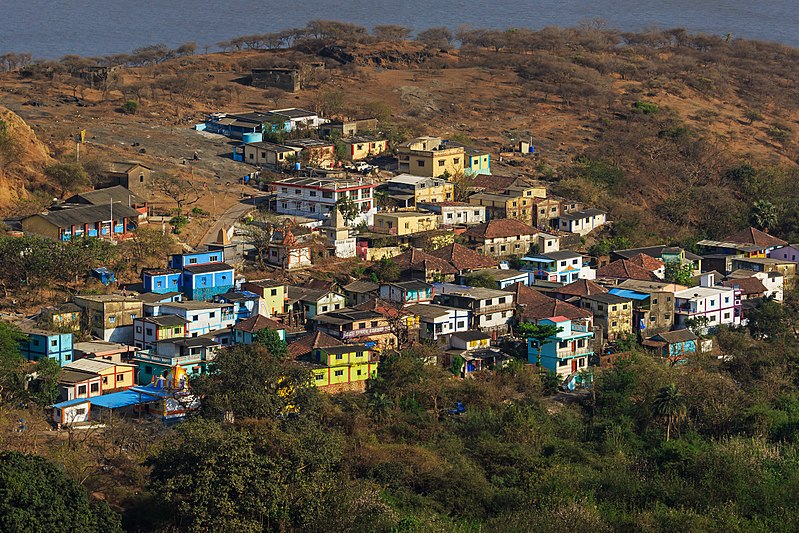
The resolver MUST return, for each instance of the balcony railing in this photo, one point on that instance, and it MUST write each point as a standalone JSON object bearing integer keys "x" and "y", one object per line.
{"x": 494, "y": 308}
{"x": 165, "y": 359}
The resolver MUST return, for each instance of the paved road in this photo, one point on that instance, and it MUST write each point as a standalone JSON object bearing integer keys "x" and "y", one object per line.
{"x": 229, "y": 217}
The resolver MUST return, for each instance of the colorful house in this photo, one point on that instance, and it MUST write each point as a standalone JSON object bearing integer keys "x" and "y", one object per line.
{"x": 245, "y": 304}
{"x": 407, "y": 292}
{"x": 65, "y": 317}
{"x": 203, "y": 274}
{"x": 149, "y": 330}
{"x": 476, "y": 161}
{"x": 192, "y": 354}
{"x": 244, "y": 331}
{"x": 562, "y": 267}
{"x": 39, "y": 343}
{"x": 566, "y": 352}
{"x": 113, "y": 375}
{"x": 673, "y": 345}
{"x": 340, "y": 368}
{"x": 161, "y": 280}
{"x": 438, "y": 322}
{"x": 720, "y": 305}
{"x": 272, "y": 294}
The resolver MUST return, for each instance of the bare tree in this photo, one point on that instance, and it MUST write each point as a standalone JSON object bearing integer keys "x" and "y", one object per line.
{"x": 182, "y": 191}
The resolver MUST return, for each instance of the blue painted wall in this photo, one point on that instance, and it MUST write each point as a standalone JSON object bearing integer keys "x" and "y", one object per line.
{"x": 56, "y": 346}
{"x": 161, "y": 283}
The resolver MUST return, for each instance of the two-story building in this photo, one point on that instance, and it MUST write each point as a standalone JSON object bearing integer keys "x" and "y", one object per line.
{"x": 161, "y": 280}
{"x": 311, "y": 302}
{"x": 150, "y": 329}
{"x": 419, "y": 265}
{"x": 562, "y": 267}
{"x": 404, "y": 222}
{"x": 582, "y": 222}
{"x": 500, "y": 277}
{"x": 356, "y": 326}
{"x": 244, "y": 331}
{"x": 193, "y": 355}
{"x": 407, "y": 190}
{"x": 476, "y": 161}
{"x": 38, "y": 344}
{"x": 360, "y": 148}
{"x": 201, "y": 317}
{"x": 316, "y": 197}
{"x": 653, "y": 304}
{"x": 501, "y": 238}
{"x": 719, "y": 305}
{"x": 272, "y": 293}
{"x": 612, "y": 313}
{"x": 360, "y": 291}
{"x": 491, "y": 310}
{"x": 203, "y": 274}
{"x": 430, "y": 156}
{"x": 343, "y": 368}
{"x": 565, "y": 353}
{"x": 110, "y": 316}
{"x": 112, "y": 376}
{"x": 438, "y": 322}
{"x": 63, "y": 317}
{"x": 245, "y": 304}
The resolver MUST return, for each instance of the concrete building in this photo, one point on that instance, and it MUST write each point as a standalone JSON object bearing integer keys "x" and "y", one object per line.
{"x": 720, "y": 305}
{"x": 582, "y": 222}
{"x": 360, "y": 148}
{"x": 455, "y": 213}
{"x": 430, "y": 156}
{"x": 404, "y": 222}
{"x": 270, "y": 155}
{"x": 492, "y": 310}
{"x": 110, "y": 316}
{"x": 407, "y": 190}
{"x": 316, "y": 197}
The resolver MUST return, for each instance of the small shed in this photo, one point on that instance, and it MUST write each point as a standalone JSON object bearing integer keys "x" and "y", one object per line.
{"x": 105, "y": 276}
{"x": 72, "y": 411}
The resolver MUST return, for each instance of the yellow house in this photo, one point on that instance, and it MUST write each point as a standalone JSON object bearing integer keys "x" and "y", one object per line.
{"x": 612, "y": 313}
{"x": 273, "y": 294}
{"x": 518, "y": 201}
{"x": 404, "y": 222}
{"x": 430, "y": 156}
{"x": 406, "y": 190}
{"x": 340, "y": 368}
{"x": 470, "y": 340}
{"x": 114, "y": 376}
{"x": 358, "y": 148}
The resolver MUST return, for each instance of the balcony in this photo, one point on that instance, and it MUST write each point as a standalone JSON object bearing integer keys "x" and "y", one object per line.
{"x": 167, "y": 360}
{"x": 365, "y": 332}
{"x": 494, "y": 308}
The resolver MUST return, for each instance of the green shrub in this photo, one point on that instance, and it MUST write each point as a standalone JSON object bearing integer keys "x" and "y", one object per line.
{"x": 647, "y": 108}
{"x": 130, "y": 107}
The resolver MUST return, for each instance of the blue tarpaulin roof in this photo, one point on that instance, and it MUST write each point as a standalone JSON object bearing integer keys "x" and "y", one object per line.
{"x": 126, "y": 398}
{"x": 70, "y": 403}
{"x": 626, "y": 293}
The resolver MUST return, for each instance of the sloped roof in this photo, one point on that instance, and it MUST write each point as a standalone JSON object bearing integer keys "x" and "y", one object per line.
{"x": 117, "y": 193}
{"x": 417, "y": 259}
{"x": 257, "y": 323}
{"x": 500, "y": 228}
{"x": 679, "y": 335}
{"x": 646, "y": 261}
{"x": 306, "y": 343}
{"x": 361, "y": 286}
{"x": 756, "y": 237}
{"x": 463, "y": 258}
{"x": 554, "y": 308}
{"x": 747, "y": 285}
{"x": 382, "y": 307}
{"x": 524, "y": 295}
{"x": 582, "y": 287}
{"x": 624, "y": 269}
{"x": 75, "y": 216}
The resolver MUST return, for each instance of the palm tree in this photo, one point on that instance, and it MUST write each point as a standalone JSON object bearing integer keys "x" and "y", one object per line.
{"x": 669, "y": 404}
{"x": 763, "y": 215}
{"x": 379, "y": 405}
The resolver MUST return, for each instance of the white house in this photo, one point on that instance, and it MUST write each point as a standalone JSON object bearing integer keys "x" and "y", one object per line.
{"x": 492, "y": 310}
{"x": 201, "y": 317}
{"x": 452, "y": 213}
{"x": 299, "y": 118}
{"x": 721, "y": 306}
{"x": 316, "y": 197}
{"x": 582, "y": 222}
{"x": 547, "y": 243}
{"x": 437, "y": 322}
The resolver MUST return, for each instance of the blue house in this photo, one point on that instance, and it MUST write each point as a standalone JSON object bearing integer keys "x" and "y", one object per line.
{"x": 562, "y": 267}
{"x": 40, "y": 343}
{"x": 568, "y": 351}
{"x": 203, "y": 274}
{"x": 244, "y": 331}
{"x": 245, "y": 303}
{"x": 161, "y": 280}
{"x": 676, "y": 346}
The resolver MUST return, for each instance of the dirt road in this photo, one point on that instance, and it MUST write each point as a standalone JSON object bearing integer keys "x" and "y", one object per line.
{"x": 229, "y": 217}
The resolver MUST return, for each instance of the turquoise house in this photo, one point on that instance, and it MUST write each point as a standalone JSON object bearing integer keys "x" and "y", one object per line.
{"x": 203, "y": 274}
{"x": 244, "y": 331}
{"x": 566, "y": 352}
{"x": 40, "y": 344}
{"x": 673, "y": 345}
{"x": 193, "y": 354}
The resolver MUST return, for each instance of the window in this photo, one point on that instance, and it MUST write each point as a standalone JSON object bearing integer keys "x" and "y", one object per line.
{"x": 252, "y": 156}
{"x": 212, "y": 315}
{"x": 420, "y": 163}
{"x": 338, "y": 373}
{"x": 36, "y": 342}
{"x": 441, "y": 163}
{"x": 574, "y": 261}
{"x": 193, "y": 261}
{"x": 563, "y": 344}
{"x": 214, "y": 258}
{"x": 562, "y": 362}
{"x": 148, "y": 370}
{"x": 488, "y": 317}
{"x": 359, "y": 372}
{"x": 312, "y": 193}
{"x": 614, "y": 324}
{"x": 726, "y": 316}
{"x": 460, "y": 324}
{"x": 112, "y": 319}
{"x": 194, "y": 317}
{"x": 105, "y": 380}
{"x": 456, "y": 161}
{"x": 324, "y": 309}
{"x": 273, "y": 292}
{"x": 624, "y": 307}
{"x": 726, "y": 299}
{"x": 339, "y": 357}
{"x": 374, "y": 323}
{"x": 133, "y": 316}
{"x": 95, "y": 387}
{"x": 149, "y": 331}
{"x": 327, "y": 194}
{"x": 54, "y": 343}
{"x": 655, "y": 301}
{"x": 81, "y": 389}
{"x": 712, "y": 303}
{"x": 319, "y": 377}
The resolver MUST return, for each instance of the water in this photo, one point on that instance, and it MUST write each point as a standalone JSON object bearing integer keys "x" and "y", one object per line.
{"x": 50, "y": 29}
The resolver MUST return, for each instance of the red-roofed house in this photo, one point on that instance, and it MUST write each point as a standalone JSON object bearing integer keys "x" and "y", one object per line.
{"x": 464, "y": 259}
{"x": 244, "y": 331}
{"x": 501, "y": 237}
{"x": 624, "y": 269}
{"x": 416, "y": 264}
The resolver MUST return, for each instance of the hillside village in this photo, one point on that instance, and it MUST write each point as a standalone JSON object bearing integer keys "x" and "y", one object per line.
{"x": 421, "y": 244}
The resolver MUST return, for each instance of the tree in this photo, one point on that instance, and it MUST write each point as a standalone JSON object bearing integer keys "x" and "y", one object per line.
{"x": 36, "y": 496}
{"x": 679, "y": 273}
{"x": 386, "y": 270}
{"x": 439, "y": 37}
{"x": 187, "y": 49}
{"x": 182, "y": 191}
{"x": 11, "y": 359}
{"x": 271, "y": 340}
{"x": 752, "y": 115}
{"x": 669, "y": 405}
{"x": 769, "y": 320}
{"x": 480, "y": 279}
{"x": 763, "y": 215}
{"x": 348, "y": 208}
{"x": 259, "y": 238}
{"x": 250, "y": 382}
{"x": 391, "y": 32}
{"x": 542, "y": 334}
{"x": 48, "y": 372}
{"x": 147, "y": 247}
{"x": 67, "y": 177}
{"x": 698, "y": 325}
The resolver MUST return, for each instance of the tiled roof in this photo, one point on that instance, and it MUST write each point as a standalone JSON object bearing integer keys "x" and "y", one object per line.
{"x": 361, "y": 286}
{"x": 679, "y": 335}
{"x": 500, "y": 228}
{"x": 463, "y": 258}
{"x": 386, "y": 309}
{"x": 417, "y": 259}
{"x": 747, "y": 285}
{"x": 306, "y": 343}
{"x": 646, "y": 261}
{"x": 554, "y": 308}
{"x": 524, "y": 295}
{"x": 257, "y": 323}
{"x": 756, "y": 237}
{"x": 624, "y": 269}
{"x": 582, "y": 287}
